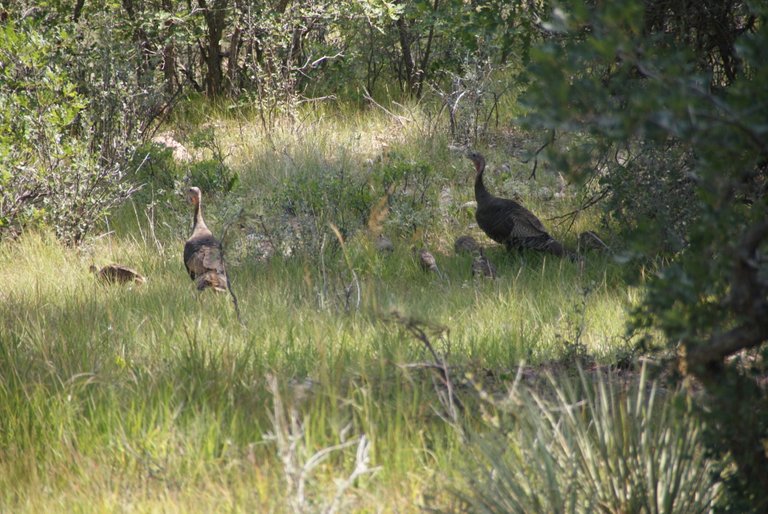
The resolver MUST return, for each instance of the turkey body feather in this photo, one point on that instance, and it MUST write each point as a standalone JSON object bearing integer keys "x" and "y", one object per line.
{"x": 205, "y": 263}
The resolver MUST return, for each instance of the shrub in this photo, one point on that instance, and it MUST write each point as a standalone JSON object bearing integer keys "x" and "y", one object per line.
{"x": 154, "y": 170}
{"x": 212, "y": 173}
{"x": 590, "y": 448}
{"x": 315, "y": 196}
{"x": 412, "y": 187}
{"x": 652, "y": 201}
{"x": 50, "y": 177}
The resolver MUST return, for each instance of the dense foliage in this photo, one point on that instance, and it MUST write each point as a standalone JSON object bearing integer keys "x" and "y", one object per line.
{"x": 68, "y": 124}
{"x": 657, "y": 109}
{"x": 676, "y": 123}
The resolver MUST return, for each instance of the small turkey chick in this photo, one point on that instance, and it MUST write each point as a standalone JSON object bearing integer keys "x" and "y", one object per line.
{"x": 482, "y": 266}
{"x": 118, "y": 274}
{"x": 465, "y": 244}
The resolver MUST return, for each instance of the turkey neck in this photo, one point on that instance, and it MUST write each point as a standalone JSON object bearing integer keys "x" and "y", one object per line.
{"x": 481, "y": 193}
{"x": 198, "y": 225}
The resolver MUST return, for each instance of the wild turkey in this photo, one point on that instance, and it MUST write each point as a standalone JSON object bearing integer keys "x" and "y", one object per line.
{"x": 384, "y": 244}
{"x": 465, "y": 244}
{"x": 506, "y": 221}
{"x": 591, "y": 241}
{"x": 117, "y": 274}
{"x": 482, "y": 267}
{"x": 427, "y": 261}
{"x": 203, "y": 256}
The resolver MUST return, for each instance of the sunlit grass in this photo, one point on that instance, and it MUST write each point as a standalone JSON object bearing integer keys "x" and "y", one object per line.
{"x": 154, "y": 397}
{"x": 129, "y": 379}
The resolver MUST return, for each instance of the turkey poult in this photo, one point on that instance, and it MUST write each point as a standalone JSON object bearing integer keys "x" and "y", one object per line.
{"x": 427, "y": 261}
{"x": 465, "y": 244}
{"x": 506, "y": 221}
{"x": 203, "y": 256}
{"x": 591, "y": 241}
{"x": 118, "y": 274}
{"x": 384, "y": 244}
{"x": 482, "y": 267}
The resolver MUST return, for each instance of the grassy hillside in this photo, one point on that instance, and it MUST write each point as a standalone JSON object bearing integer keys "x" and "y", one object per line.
{"x": 154, "y": 398}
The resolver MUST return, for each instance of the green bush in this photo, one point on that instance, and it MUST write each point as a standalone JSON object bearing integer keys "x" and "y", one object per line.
{"x": 50, "y": 176}
{"x": 161, "y": 177}
{"x": 154, "y": 171}
{"x": 211, "y": 174}
{"x": 328, "y": 192}
{"x": 652, "y": 201}
{"x": 412, "y": 185}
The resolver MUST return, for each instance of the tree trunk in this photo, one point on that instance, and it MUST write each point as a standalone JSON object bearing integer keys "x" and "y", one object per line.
{"x": 422, "y": 71}
{"x": 214, "y": 19}
{"x": 415, "y": 72}
{"x": 736, "y": 402}
{"x": 143, "y": 45}
{"x": 169, "y": 55}
{"x": 78, "y": 10}
{"x": 405, "y": 48}
{"x": 232, "y": 64}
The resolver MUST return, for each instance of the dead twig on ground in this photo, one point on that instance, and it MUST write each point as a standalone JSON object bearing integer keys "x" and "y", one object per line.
{"x": 446, "y": 391}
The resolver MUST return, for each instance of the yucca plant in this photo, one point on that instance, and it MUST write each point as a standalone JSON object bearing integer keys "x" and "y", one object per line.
{"x": 590, "y": 446}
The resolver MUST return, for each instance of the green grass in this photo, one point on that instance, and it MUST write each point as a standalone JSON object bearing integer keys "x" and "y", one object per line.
{"x": 155, "y": 398}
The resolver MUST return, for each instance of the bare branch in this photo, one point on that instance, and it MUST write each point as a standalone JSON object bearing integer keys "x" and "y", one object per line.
{"x": 699, "y": 357}
{"x": 572, "y": 215}
{"x": 447, "y": 395}
{"x": 362, "y": 461}
{"x": 549, "y": 141}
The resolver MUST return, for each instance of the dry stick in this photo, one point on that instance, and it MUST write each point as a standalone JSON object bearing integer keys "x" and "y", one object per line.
{"x": 138, "y": 223}
{"x": 396, "y": 117}
{"x": 348, "y": 262}
{"x": 362, "y": 458}
{"x": 150, "y": 209}
{"x": 323, "y": 274}
{"x": 289, "y": 435}
{"x": 583, "y": 207}
{"x": 234, "y": 298}
{"x": 548, "y": 142}
{"x": 452, "y": 402}
{"x": 224, "y": 232}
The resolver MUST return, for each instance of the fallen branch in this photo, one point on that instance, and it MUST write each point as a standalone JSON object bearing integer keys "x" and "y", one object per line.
{"x": 400, "y": 119}
{"x": 446, "y": 393}
{"x": 299, "y": 464}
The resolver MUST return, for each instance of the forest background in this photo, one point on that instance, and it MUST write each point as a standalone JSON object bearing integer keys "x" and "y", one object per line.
{"x": 314, "y": 127}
